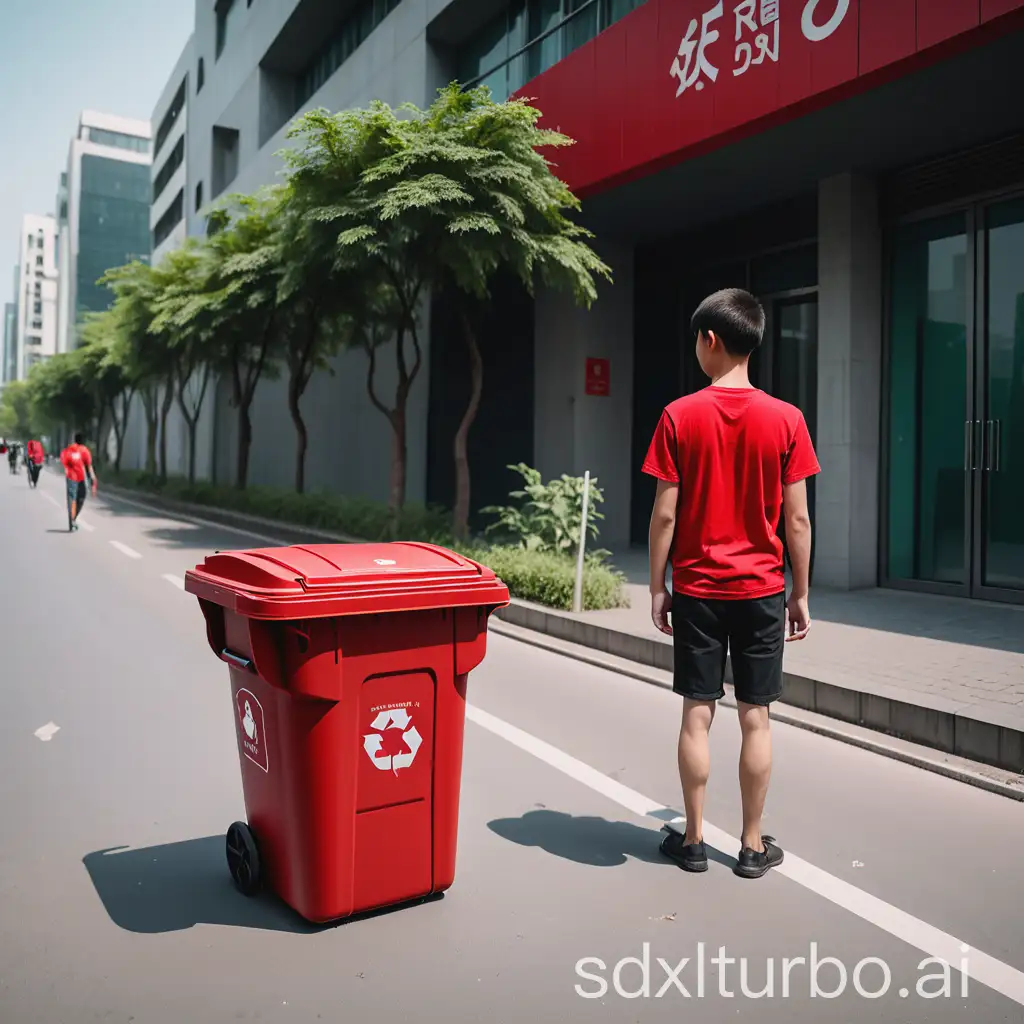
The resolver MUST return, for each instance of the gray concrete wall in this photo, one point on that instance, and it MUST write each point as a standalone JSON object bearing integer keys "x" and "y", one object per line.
{"x": 849, "y": 382}
{"x": 575, "y": 432}
{"x": 350, "y": 441}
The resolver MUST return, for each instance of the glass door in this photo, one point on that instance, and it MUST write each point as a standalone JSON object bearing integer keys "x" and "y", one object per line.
{"x": 930, "y": 435}
{"x": 955, "y": 410}
{"x": 999, "y": 469}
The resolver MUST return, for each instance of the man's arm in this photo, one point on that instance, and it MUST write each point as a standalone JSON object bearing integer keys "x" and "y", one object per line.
{"x": 798, "y": 539}
{"x": 663, "y": 529}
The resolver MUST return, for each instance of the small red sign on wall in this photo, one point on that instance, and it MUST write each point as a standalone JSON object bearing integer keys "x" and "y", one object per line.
{"x": 598, "y": 377}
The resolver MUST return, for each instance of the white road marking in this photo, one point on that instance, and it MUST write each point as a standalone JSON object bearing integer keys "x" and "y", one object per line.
{"x": 993, "y": 973}
{"x": 47, "y": 732}
{"x": 124, "y": 549}
{"x": 176, "y": 580}
{"x": 88, "y": 527}
{"x": 51, "y": 499}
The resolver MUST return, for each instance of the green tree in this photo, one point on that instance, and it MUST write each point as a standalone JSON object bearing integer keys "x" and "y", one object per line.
{"x": 16, "y": 411}
{"x": 447, "y": 196}
{"x": 106, "y": 368}
{"x": 185, "y": 317}
{"x": 61, "y": 400}
{"x": 148, "y": 358}
{"x": 320, "y": 307}
{"x": 239, "y": 304}
{"x": 332, "y": 177}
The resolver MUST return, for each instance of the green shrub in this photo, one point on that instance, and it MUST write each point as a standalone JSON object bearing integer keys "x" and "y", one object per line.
{"x": 548, "y": 515}
{"x": 354, "y": 517}
{"x": 547, "y": 578}
{"x": 544, "y": 577}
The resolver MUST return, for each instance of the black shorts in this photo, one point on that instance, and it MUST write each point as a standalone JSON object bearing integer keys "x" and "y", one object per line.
{"x": 752, "y": 632}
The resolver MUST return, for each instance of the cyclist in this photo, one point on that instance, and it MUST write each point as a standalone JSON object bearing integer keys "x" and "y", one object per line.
{"x": 77, "y": 462}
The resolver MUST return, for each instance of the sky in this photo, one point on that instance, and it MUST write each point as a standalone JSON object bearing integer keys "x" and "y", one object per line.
{"x": 58, "y": 59}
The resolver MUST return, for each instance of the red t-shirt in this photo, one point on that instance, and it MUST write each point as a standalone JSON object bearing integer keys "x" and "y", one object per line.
{"x": 76, "y": 457}
{"x": 35, "y": 452}
{"x": 734, "y": 449}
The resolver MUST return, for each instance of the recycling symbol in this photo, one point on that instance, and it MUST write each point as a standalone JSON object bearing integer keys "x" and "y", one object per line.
{"x": 394, "y": 743}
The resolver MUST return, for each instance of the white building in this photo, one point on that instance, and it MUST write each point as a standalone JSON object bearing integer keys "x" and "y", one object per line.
{"x": 36, "y": 294}
{"x": 8, "y": 364}
{"x": 105, "y": 220}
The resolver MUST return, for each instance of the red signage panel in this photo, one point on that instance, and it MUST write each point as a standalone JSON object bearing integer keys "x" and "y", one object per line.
{"x": 599, "y": 377}
{"x": 675, "y": 75}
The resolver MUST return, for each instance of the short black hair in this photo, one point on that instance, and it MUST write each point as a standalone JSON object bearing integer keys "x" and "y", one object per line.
{"x": 79, "y": 439}
{"x": 734, "y": 316}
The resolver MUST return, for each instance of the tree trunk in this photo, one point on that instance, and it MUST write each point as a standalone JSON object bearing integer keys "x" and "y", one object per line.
{"x": 244, "y": 445}
{"x": 150, "y": 409}
{"x": 192, "y": 451}
{"x": 460, "y": 515}
{"x": 165, "y": 411}
{"x": 399, "y": 454}
{"x": 295, "y": 389}
{"x": 191, "y": 417}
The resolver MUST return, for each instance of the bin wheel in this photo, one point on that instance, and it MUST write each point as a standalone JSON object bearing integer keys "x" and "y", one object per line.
{"x": 243, "y": 858}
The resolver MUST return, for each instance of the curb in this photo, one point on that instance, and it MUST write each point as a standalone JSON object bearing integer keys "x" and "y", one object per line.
{"x": 877, "y": 715}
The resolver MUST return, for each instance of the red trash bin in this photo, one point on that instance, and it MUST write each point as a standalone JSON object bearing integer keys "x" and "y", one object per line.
{"x": 348, "y": 667}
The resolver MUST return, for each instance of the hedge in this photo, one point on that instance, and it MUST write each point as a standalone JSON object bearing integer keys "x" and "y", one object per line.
{"x": 541, "y": 577}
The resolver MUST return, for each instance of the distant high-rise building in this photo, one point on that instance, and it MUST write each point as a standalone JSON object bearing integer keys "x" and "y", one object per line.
{"x": 105, "y": 222}
{"x": 9, "y": 363}
{"x": 35, "y": 296}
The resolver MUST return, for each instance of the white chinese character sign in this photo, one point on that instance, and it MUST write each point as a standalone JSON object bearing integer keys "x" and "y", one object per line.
{"x": 751, "y": 29}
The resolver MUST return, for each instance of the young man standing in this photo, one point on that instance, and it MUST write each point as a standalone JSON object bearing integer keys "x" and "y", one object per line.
{"x": 729, "y": 460}
{"x": 77, "y": 461}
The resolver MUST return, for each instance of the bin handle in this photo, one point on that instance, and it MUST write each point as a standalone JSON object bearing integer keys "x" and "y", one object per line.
{"x": 237, "y": 660}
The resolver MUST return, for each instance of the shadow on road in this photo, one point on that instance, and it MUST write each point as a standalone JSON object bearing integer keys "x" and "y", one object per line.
{"x": 589, "y": 840}
{"x": 176, "y": 886}
{"x": 179, "y": 885}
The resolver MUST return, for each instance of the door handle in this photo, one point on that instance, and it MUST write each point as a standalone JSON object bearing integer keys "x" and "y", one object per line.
{"x": 998, "y": 432}
{"x": 970, "y": 453}
{"x": 990, "y": 436}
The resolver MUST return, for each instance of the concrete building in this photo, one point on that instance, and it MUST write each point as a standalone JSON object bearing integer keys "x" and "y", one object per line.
{"x": 856, "y": 165}
{"x": 9, "y": 362}
{"x": 103, "y": 213}
{"x": 36, "y": 294}
{"x": 170, "y": 181}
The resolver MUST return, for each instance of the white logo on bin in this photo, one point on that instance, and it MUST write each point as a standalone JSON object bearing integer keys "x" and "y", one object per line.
{"x": 385, "y": 561}
{"x": 253, "y": 730}
{"x": 394, "y": 744}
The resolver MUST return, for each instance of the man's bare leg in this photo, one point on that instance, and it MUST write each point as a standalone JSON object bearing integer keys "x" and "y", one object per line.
{"x": 695, "y": 763}
{"x": 755, "y": 770}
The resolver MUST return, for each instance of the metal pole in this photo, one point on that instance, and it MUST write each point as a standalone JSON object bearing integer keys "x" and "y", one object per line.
{"x": 577, "y": 594}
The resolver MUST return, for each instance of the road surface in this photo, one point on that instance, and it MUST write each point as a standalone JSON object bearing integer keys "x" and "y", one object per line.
{"x": 119, "y": 775}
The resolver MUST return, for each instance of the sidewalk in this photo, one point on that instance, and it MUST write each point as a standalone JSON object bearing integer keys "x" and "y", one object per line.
{"x": 945, "y": 672}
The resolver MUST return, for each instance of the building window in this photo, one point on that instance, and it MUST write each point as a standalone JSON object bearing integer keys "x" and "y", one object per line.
{"x": 200, "y": 76}
{"x": 171, "y": 164}
{"x": 119, "y": 140}
{"x": 353, "y": 33}
{"x": 223, "y": 10}
{"x": 170, "y": 220}
{"x": 199, "y": 197}
{"x": 37, "y": 325}
{"x": 225, "y": 159}
{"x": 529, "y": 37}
{"x": 170, "y": 119}
{"x": 31, "y": 241}
{"x": 39, "y": 261}
{"x": 37, "y": 308}
{"x": 32, "y": 339}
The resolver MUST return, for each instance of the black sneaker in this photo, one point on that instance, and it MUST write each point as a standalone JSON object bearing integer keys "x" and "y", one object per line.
{"x": 751, "y": 864}
{"x": 689, "y": 856}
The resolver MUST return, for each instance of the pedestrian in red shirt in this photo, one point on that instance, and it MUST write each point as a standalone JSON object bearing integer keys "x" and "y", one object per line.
{"x": 729, "y": 461}
{"x": 77, "y": 461}
{"x": 35, "y": 456}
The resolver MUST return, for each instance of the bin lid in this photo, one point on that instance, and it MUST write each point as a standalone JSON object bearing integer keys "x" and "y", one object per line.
{"x": 311, "y": 581}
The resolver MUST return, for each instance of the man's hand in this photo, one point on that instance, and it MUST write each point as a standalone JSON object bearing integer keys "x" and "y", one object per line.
{"x": 661, "y": 605}
{"x": 798, "y": 617}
